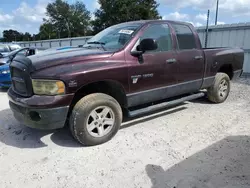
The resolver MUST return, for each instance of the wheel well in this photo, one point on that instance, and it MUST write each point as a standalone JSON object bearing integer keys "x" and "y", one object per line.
{"x": 111, "y": 88}
{"x": 228, "y": 69}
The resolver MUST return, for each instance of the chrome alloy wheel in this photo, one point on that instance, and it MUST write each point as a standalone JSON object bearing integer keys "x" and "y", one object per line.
{"x": 100, "y": 121}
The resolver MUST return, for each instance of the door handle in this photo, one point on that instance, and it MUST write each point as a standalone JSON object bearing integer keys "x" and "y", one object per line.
{"x": 171, "y": 61}
{"x": 198, "y": 57}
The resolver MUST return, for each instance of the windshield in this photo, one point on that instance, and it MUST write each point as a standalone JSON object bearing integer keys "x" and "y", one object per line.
{"x": 114, "y": 37}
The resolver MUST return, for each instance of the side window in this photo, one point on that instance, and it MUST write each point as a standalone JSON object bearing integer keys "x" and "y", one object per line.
{"x": 185, "y": 37}
{"x": 161, "y": 33}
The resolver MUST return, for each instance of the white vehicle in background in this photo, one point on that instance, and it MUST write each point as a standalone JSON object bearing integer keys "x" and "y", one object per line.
{"x": 9, "y": 47}
{"x": 5, "y": 58}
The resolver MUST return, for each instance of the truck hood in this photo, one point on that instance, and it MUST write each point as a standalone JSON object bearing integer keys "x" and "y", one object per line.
{"x": 54, "y": 57}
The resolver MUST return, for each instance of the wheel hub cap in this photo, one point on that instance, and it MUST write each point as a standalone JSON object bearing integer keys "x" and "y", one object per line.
{"x": 223, "y": 88}
{"x": 100, "y": 121}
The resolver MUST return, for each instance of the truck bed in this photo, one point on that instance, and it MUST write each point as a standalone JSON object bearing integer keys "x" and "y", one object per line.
{"x": 216, "y": 58}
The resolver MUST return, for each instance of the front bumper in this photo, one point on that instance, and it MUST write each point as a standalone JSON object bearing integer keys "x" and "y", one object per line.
{"x": 40, "y": 112}
{"x": 5, "y": 80}
{"x": 48, "y": 119}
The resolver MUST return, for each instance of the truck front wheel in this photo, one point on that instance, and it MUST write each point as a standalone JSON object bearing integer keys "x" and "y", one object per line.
{"x": 95, "y": 119}
{"x": 219, "y": 91}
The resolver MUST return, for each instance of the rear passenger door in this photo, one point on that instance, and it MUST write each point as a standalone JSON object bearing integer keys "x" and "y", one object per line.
{"x": 190, "y": 59}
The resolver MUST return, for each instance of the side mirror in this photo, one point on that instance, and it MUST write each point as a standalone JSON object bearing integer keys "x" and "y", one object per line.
{"x": 145, "y": 45}
{"x": 29, "y": 52}
{"x": 1, "y": 55}
{"x": 136, "y": 53}
{"x": 148, "y": 45}
{"x": 32, "y": 52}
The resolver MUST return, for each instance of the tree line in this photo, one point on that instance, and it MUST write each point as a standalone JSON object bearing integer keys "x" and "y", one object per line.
{"x": 73, "y": 20}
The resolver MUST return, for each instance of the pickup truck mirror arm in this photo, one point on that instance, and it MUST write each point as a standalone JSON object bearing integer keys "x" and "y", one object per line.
{"x": 138, "y": 54}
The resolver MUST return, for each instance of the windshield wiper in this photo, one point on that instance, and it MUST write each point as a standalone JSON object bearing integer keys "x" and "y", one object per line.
{"x": 97, "y": 42}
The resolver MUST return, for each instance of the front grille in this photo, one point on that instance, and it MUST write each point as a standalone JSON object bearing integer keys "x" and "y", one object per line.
{"x": 20, "y": 75}
{"x": 17, "y": 73}
{"x": 19, "y": 85}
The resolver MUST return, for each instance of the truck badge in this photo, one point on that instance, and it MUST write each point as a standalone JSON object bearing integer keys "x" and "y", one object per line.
{"x": 72, "y": 83}
{"x": 135, "y": 80}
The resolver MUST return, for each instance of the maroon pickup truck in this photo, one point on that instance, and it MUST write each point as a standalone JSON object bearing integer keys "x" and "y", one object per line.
{"x": 128, "y": 69}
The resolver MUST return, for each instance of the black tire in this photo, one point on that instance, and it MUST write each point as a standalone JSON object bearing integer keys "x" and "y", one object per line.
{"x": 80, "y": 115}
{"x": 214, "y": 93}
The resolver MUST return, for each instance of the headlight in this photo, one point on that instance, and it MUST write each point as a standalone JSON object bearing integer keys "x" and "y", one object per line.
{"x": 5, "y": 71}
{"x": 48, "y": 87}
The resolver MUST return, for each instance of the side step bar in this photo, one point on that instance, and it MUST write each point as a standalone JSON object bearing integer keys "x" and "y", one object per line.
{"x": 163, "y": 105}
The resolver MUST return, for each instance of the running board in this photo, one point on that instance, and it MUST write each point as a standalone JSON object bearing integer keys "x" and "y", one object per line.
{"x": 164, "y": 105}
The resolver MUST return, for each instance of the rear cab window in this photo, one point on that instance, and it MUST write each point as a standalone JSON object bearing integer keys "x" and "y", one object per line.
{"x": 185, "y": 37}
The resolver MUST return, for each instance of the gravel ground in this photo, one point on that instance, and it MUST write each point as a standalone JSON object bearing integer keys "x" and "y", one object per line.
{"x": 196, "y": 144}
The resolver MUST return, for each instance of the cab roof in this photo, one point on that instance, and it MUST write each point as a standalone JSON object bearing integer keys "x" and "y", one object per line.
{"x": 142, "y": 22}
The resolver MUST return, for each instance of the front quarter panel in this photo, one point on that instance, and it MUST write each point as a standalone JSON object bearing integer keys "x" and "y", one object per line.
{"x": 112, "y": 69}
{"x": 78, "y": 74}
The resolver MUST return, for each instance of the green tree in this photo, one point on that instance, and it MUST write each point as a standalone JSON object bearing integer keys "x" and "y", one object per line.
{"x": 68, "y": 20}
{"x": 47, "y": 31}
{"x": 12, "y": 35}
{"x": 27, "y": 36}
{"x": 80, "y": 19}
{"x": 116, "y": 11}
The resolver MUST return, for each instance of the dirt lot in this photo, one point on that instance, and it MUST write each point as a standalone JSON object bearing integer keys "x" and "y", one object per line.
{"x": 197, "y": 144}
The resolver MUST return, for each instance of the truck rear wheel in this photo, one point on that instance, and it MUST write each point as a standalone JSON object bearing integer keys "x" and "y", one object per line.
{"x": 95, "y": 119}
{"x": 219, "y": 92}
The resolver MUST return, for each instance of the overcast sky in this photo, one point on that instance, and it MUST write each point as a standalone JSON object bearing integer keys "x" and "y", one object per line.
{"x": 26, "y": 15}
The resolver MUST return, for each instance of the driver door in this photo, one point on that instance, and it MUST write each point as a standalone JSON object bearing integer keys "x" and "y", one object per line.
{"x": 153, "y": 72}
